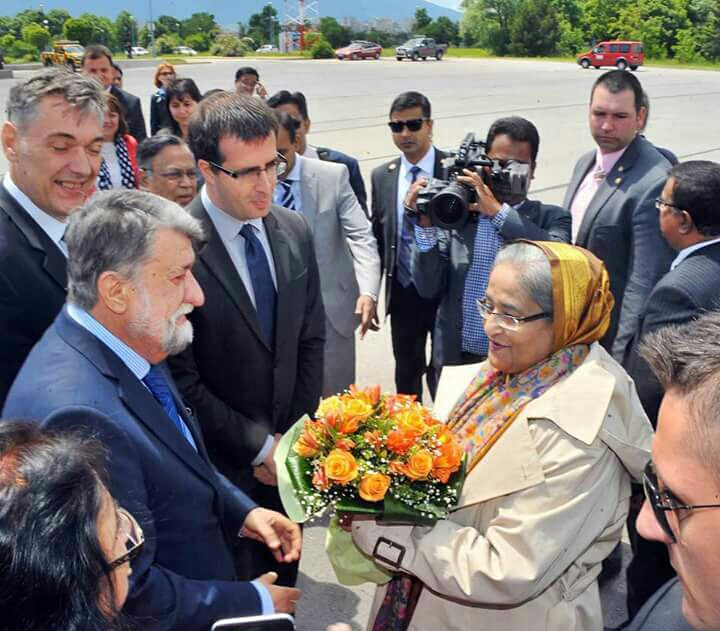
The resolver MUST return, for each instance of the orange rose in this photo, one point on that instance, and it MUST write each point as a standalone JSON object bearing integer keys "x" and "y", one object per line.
{"x": 331, "y": 406}
{"x": 373, "y": 486}
{"x": 447, "y": 461}
{"x": 419, "y": 465}
{"x": 412, "y": 421}
{"x": 340, "y": 466}
{"x": 354, "y": 412}
{"x": 311, "y": 440}
{"x": 399, "y": 442}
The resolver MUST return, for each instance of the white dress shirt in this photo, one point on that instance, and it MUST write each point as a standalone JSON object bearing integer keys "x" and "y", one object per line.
{"x": 427, "y": 169}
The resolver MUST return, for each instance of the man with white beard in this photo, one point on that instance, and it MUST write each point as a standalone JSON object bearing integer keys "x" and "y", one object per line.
{"x": 100, "y": 369}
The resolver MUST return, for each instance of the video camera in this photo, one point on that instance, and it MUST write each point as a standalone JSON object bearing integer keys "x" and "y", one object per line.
{"x": 446, "y": 200}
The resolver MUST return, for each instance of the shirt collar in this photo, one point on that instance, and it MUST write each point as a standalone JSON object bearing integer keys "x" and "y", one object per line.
{"x": 227, "y": 226}
{"x": 294, "y": 175}
{"x": 426, "y": 163}
{"x": 685, "y": 252}
{"x": 606, "y": 161}
{"x": 54, "y": 228}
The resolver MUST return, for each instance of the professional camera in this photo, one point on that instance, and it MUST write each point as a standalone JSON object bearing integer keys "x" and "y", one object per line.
{"x": 446, "y": 200}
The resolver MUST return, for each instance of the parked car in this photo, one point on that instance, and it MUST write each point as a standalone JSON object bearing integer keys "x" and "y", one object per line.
{"x": 359, "y": 50}
{"x": 622, "y": 54}
{"x": 65, "y": 52}
{"x": 185, "y": 50}
{"x": 267, "y": 48}
{"x": 139, "y": 51}
{"x": 420, "y": 48}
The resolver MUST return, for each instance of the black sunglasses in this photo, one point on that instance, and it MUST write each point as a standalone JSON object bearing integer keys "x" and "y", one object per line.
{"x": 664, "y": 501}
{"x": 414, "y": 124}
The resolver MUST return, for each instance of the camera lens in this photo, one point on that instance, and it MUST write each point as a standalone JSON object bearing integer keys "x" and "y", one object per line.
{"x": 448, "y": 209}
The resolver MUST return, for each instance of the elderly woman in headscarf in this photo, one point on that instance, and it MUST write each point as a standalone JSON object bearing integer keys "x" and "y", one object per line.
{"x": 553, "y": 431}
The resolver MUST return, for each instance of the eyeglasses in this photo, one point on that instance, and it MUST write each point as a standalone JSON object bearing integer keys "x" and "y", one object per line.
{"x": 166, "y": 74}
{"x": 504, "y": 320}
{"x": 663, "y": 501}
{"x": 134, "y": 538}
{"x": 414, "y": 124}
{"x": 175, "y": 175}
{"x": 660, "y": 202}
{"x": 277, "y": 167}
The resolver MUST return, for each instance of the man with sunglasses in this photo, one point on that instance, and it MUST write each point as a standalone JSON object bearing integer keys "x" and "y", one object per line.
{"x": 256, "y": 362}
{"x": 689, "y": 217}
{"x": 454, "y": 265}
{"x": 412, "y": 317}
{"x": 682, "y": 505}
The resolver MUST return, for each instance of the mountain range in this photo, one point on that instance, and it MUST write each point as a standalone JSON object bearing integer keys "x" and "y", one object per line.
{"x": 230, "y": 13}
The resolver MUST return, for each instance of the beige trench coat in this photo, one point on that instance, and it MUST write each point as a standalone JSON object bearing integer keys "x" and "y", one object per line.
{"x": 537, "y": 515}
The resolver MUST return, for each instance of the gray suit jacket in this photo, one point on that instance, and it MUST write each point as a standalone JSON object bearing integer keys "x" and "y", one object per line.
{"x": 345, "y": 248}
{"x": 440, "y": 272}
{"x": 621, "y": 227}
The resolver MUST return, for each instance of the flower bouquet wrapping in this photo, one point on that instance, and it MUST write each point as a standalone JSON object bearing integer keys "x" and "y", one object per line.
{"x": 372, "y": 453}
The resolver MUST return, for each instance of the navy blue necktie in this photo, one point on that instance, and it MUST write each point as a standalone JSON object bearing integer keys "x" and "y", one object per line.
{"x": 158, "y": 385}
{"x": 405, "y": 247}
{"x": 262, "y": 282}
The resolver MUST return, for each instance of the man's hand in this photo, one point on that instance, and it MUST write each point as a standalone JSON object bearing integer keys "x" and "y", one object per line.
{"x": 487, "y": 204}
{"x": 366, "y": 308}
{"x": 260, "y": 90}
{"x": 410, "y": 201}
{"x": 284, "y": 598}
{"x": 266, "y": 472}
{"x": 281, "y": 535}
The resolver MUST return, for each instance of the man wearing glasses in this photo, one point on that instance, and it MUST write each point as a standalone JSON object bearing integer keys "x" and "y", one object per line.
{"x": 256, "y": 362}
{"x": 689, "y": 218}
{"x": 167, "y": 168}
{"x": 681, "y": 484}
{"x": 454, "y": 265}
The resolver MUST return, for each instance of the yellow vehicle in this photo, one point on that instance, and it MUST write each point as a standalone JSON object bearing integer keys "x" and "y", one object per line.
{"x": 64, "y": 53}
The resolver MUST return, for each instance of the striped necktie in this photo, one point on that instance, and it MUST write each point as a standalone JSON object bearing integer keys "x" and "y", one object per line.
{"x": 287, "y": 199}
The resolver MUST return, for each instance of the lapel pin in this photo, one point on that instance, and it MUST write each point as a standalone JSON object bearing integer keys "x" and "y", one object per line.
{"x": 618, "y": 180}
{"x": 621, "y": 168}
{"x": 392, "y": 166}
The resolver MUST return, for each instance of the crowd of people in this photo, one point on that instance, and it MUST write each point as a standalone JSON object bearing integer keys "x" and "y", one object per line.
{"x": 173, "y": 303}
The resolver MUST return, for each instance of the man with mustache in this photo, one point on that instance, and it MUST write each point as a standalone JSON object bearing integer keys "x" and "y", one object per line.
{"x": 52, "y": 140}
{"x": 100, "y": 370}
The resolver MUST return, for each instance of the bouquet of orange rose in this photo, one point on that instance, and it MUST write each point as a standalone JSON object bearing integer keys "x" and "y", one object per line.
{"x": 367, "y": 452}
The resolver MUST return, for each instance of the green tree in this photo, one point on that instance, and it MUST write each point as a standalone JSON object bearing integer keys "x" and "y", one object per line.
{"x": 708, "y": 34}
{"x": 56, "y": 20}
{"x": 655, "y": 22}
{"x": 264, "y": 27}
{"x": 535, "y": 30}
{"x": 169, "y": 24}
{"x": 336, "y": 34}
{"x": 80, "y": 29}
{"x": 126, "y": 30}
{"x": 444, "y": 30}
{"x": 30, "y": 16}
{"x": 422, "y": 20}
{"x": 599, "y": 18}
{"x": 487, "y": 23}
{"x": 228, "y": 45}
{"x": 166, "y": 44}
{"x": 36, "y": 35}
{"x": 198, "y": 41}
{"x": 200, "y": 23}
{"x": 8, "y": 26}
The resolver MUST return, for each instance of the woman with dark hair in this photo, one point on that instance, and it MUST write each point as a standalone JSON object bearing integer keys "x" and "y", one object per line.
{"x": 65, "y": 546}
{"x": 119, "y": 168}
{"x": 159, "y": 115}
{"x": 182, "y": 99}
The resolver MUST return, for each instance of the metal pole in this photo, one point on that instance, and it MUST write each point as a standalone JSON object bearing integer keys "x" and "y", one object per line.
{"x": 152, "y": 29}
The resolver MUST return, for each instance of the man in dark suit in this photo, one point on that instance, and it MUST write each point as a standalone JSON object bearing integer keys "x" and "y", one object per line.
{"x": 256, "y": 363}
{"x": 690, "y": 223}
{"x": 412, "y": 317}
{"x": 454, "y": 265}
{"x": 295, "y": 104}
{"x": 611, "y": 198}
{"x": 97, "y": 62}
{"x": 100, "y": 369}
{"x": 52, "y": 142}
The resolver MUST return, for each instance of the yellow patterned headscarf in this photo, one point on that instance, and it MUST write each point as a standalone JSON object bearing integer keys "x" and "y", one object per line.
{"x": 582, "y": 301}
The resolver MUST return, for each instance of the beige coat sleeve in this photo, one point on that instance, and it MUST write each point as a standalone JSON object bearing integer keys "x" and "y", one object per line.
{"x": 509, "y": 549}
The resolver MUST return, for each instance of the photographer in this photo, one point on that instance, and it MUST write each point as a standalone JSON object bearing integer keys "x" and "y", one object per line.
{"x": 454, "y": 265}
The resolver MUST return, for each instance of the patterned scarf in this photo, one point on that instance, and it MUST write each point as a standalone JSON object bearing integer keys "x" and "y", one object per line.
{"x": 127, "y": 174}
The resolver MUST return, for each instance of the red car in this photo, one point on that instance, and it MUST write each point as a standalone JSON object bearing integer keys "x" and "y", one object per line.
{"x": 621, "y": 54}
{"x": 359, "y": 50}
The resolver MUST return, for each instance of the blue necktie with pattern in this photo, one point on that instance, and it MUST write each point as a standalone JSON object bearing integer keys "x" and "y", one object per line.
{"x": 405, "y": 247}
{"x": 287, "y": 199}
{"x": 158, "y": 385}
{"x": 262, "y": 282}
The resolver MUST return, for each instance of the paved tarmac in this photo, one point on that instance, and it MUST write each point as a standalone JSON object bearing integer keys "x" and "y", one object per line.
{"x": 349, "y": 104}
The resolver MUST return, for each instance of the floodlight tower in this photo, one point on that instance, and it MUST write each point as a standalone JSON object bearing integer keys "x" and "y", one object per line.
{"x": 304, "y": 10}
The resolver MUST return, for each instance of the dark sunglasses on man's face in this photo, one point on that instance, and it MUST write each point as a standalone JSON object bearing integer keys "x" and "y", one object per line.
{"x": 414, "y": 124}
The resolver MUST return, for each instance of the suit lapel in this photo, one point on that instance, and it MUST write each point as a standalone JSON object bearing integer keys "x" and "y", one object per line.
{"x": 281, "y": 256}
{"x": 392, "y": 179}
{"x": 579, "y": 174}
{"x": 218, "y": 261}
{"x": 54, "y": 263}
{"x": 310, "y": 193}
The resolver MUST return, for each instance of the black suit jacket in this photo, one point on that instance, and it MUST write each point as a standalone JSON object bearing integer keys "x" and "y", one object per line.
{"x": 621, "y": 228}
{"x": 384, "y": 215}
{"x": 184, "y": 579}
{"x": 440, "y": 272}
{"x": 133, "y": 113}
{"x": 33, "y": 278}
{"x": 681, "y": 295}
{"x": 241, "y": 389}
